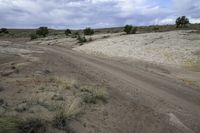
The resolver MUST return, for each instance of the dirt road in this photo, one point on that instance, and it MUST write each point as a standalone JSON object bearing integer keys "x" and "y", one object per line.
{"x": 143, "y": 98}
{"x": 141, "y": 101}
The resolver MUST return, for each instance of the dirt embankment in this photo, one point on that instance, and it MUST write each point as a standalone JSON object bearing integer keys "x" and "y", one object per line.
{"x": 177, "y": 48}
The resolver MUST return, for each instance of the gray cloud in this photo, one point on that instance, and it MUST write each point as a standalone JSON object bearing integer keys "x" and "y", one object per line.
{"x": 93, "y": 13}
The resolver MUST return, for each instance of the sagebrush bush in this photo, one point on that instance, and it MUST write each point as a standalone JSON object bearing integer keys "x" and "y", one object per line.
{"x": 9, "y": 125}
{"x": 16, "y": 125}
{"x": 81, "y": 39}
{"x": 33, "y": 36}
{"x": 4, "y": 30}
{"x": 88, "y": 31}
{"x": 32, "y": 126}
{"x": 68, "y": 32}
{"x": 93, "y": 95}
{"x": 61, "y": 122}
{"x": 134, "y": 30}
{"x": 129, "y": 29}
{"x": 182, "y": 21}
{"x": 42, "y": 31}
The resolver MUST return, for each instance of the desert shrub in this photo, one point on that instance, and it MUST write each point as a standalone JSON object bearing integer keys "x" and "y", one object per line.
{"x": 32, "y": 126}
{"x": 4, "y": 30}
{"x": 67, "y": 32}
{"x": 9, "y": 125}
{"x": 42, "y": 31}
{"x": 61, "y": 122}
{"x": 75, "y": 34}
{"x": 129, "y": 29}
{"x": 93, "y": 95}
{"x": 88, "y": 31}
{"x": 15, "y": 125}
{"x": 182, "y": 21}
{"x": 81, "y": 39}
{"x": 33, "y": 36}
{"x": 134, "y": 30}
{"x": 156, "y": 28}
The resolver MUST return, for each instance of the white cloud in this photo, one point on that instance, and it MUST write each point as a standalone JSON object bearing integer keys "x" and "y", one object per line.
{"x": 94, "y": 13}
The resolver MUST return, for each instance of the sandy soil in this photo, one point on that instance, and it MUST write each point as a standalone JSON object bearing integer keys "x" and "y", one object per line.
{"x": 179, "y": 48}
{"x": 142, "y": 97}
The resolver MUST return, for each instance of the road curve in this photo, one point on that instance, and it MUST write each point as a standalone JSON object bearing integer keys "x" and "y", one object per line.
{"x": 178, "y": 102}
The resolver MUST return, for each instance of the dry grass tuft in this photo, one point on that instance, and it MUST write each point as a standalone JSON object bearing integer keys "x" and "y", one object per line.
{"x": 193, "y": 66}
{"x": 93, "y": 95}
{"x": 15, "y": 125}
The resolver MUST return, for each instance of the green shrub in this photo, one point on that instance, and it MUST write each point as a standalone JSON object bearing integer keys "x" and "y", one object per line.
{"x": 4, "y": 30}
{"x": 75, "y": 35}
{"x": 9, "y": 125}
{"x": 182, "y": 21}
{"x": 33, "y": 36}
{"x": 32, "y": 126}
{"x": 42, "y": 31}
{"x": 134, "y": 30}
{"x": 129, "y": 29}
{"x": 60, "y": 121}
{"x": 67, "y": 32}
{"x": 88, "y": 31}
{"x": 93, "y": 95}
{"x": 156, "y": 28}
{"x": 15, "y": 125}
{"x": 81, "y": 39}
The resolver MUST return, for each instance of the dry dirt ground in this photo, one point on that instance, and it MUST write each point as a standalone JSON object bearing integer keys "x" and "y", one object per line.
{"x": 46, "y": 82}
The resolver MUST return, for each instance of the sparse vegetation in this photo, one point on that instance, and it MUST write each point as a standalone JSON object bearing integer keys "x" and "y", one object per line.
{"x": 93, "y": 95}
{"x": 33, "y": 36}
{"x": 42, "y": 31}
{"x": 182, "y": 22}
{"x": 81, "y": 39}
{"x": 1, "y": 88}
{"x": 75, "y": 35}
{"x": 15, "y": 125}
{"x": 2, "y": 102}
{"x": 129, "y": 29}
{"x": 32, "y": 126}
{"x": 156, "y": 28}
{"x": 61, "y": 122}
{"x": 68, "y": 32}
{"x": 4, "y": 30}
{"x": 62, "y": 119}
{"x": 9, "y": 125}
{"x": 88, "y": 31}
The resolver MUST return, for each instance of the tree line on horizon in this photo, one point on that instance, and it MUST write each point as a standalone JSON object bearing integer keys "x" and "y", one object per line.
{"x": 180, "y": 22}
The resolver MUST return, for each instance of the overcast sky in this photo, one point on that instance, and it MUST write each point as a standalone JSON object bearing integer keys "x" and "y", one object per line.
{"x": 94, "y": 13}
